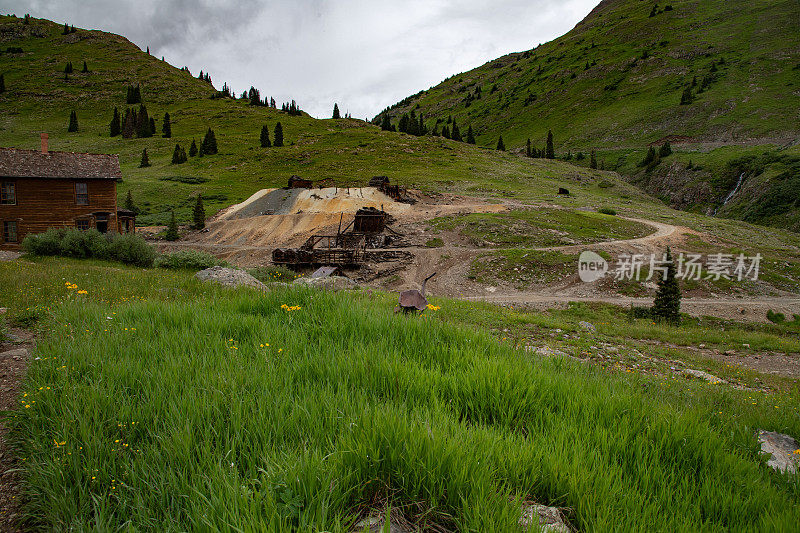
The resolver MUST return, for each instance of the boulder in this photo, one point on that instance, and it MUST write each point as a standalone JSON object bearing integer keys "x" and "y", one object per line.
{"x": 229, "y": 277}
{"x": 331, "y": 283}
{"x": 587, "y": 326}
{"x": 549, "y": 519}
{"x": 783, "y": 451}
{"x": 699, "y": 374}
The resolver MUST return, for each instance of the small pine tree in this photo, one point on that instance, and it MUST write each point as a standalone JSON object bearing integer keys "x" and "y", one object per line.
{"x": 129, "y": 124}
{"x": 665, "y": 149}
{"x": 145, "y": 161}
{"x": 166, "y": 127}
{"x": 651, "y": 155}
{"x": 68, "y": 68}
{"x": 686, "y": 97}
{"x": 193, "y": 149}
{"x": 152, "y": 126}
{"x": 455, "y": 134}
{"x": 278, "y": 136}
{"x": 172, "y": 229}
{"x": 2, "y": 83}
{"x": 336, "y": 111}
{"x": 667, "y": 303}
{"x": 73, "y": 122}
{"x": 27, "y": 19}
{"x": 386, "y": 123}
{"x": 528, "y": 152}
{"x": 178, "y": 155}
{"x": 199, "y": 213}
{"x": 500, "y": 144}
{"x": 470, "y": 135}
{"x": 143, "y": 123}
{"x": 85, "y": 68}
{"x": 265, "y": 142}
{"x": 129, "y": 205}
{"x": 209, "y": 146}
{"x": 446, "y": 132}
{"x": 66, "y": 29}
{"x": 550, "y": 151}
{"x": 593, "y": 160}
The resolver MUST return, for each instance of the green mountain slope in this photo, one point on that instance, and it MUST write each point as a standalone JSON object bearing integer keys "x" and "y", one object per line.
{"x": 38, "y": 98}
{"x": 615, "y": 84}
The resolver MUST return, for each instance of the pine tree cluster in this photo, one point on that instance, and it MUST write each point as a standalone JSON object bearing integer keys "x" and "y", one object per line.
{"x": 134, "y": 95}
{"x": 209, "y": 144}
{"x": 292, "y": 108}
{"x": 68, "y": 29}
{"x": 134, "y": 123}
{"x": 179, "y": 155}
{"x": 68, "y": 68}
{"x": 205, "y": 77}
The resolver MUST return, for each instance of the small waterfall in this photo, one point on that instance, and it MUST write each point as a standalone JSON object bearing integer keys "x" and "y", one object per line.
{"x": 732, "y": 193}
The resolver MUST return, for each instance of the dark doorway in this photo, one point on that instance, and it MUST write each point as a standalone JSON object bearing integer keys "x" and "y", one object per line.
{"x": 102, "y": 226}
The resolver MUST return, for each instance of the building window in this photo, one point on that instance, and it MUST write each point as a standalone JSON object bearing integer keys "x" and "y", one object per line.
{"x": 8, "y": 193}
{"x": 10, "y": 231}
{"x": 81, "y": 194}
{"x": 82, "y": 224}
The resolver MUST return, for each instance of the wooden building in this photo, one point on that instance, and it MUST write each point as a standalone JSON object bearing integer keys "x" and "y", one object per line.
{"x": 40, "y": 189}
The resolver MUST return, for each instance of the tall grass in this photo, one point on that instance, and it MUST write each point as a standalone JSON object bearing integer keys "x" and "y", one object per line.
{"x": 233, "y": 413}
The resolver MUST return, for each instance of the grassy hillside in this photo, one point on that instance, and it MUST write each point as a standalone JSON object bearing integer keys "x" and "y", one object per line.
{"x": 615, "y": 82}
{"x": 158, "y": 402}
{"x": 39, "y": 99}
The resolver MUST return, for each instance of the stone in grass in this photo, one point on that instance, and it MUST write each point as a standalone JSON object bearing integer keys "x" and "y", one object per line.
{"x": 229, "y": 277}
{"x": 546, "y": 351}
{"x": 549, "y": 519}
{"x": 587, "y": 326}
{"x": 16, "y": 354}
{"x": 784, "y": 451}
{"x": 699, "y": 374}
{"x": 331, "y": 283}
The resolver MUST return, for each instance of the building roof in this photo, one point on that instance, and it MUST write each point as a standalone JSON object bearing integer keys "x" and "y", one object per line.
{"x": 16, "y": 163}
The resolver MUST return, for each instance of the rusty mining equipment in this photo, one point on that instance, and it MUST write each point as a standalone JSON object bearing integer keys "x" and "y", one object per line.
{"x": 364, "y": 239}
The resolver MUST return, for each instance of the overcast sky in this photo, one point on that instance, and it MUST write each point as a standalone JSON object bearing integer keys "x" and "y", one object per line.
{"x": 363, "y": 54}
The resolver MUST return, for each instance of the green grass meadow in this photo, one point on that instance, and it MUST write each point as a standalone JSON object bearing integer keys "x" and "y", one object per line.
{"x": 156, "y": 402}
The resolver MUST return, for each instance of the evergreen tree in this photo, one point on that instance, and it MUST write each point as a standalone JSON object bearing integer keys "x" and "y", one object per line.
{"x": 278, "y": 135}
{"x": 421, "y": 128}
{"x": 66, "y": 29}
{"x": 651, "y": 155}
{"x": 193, "y": 149}
{"x": 686, "y": 97}
{"x": 500, "y": 144}
{"x": 2, "y": 83}
{"x": 68, "y": 68}
{"x": 470, "y": 135}
{"x": 455, "y": 134}
{"x": 386, "y": 123}
{"x": 166, "y": 127}
{"x": 143, "y": 123}
{"x": 129, "y": 124}
{"x": 145, "y": 161}
{"x": 445, "y": 131}
{"x": 199, "y": 213}
{"x": 114, "y": 127}
{"x": 152, "y": 126}
{"x": 72, "y": 29}
{"x": 265, "y": 142}
{"x": 402, "y": 126}
{"x": 137, "y": 95}
{"x": 665, "y": 149}
{"x": 172, "y": 229}
{"x": 73, "y": 122}
{"x": 667, "y": 303}
{"x": 336, "y": 111}
{"x": 254, "y": 95}
{"x": 129, "y": 205}
{"x": 27, "y": 19}
{"x": 592, "y": 160}
{"x": 550, "y": 151}
{"x": 528, "y": 152}
{"x": 273, "y": 104}
{"x": 209, "y": 146}
{"x": 179, "y": 155}
{"x": 85, "y": 67}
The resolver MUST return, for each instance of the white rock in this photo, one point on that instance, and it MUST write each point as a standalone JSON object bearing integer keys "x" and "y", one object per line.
{"x": 549, "y": 519}
{"x": 699, "y": 374}
{"x": 784, "y": 451}
{"x": 229, "y": 277}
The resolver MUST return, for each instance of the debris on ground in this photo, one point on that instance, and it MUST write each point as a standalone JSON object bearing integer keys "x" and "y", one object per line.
{"x": 699, "y": 374}
{"x": 229, "y": 277}
{"x": 784, "y": 451}
{"x": 330, "y": 283}
{"x": 549, "y": 519}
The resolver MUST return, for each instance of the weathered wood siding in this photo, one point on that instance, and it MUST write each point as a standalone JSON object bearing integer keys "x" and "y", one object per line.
{"x": 49, "y": 203}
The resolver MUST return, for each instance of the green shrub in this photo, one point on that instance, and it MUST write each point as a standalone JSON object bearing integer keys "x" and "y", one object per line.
{"x": 29, "y": 317}
{"x": 187, "y": 259}
{"x": 47, "y": 243}
{"x": 84, "y": 244}
{"x": 607, "y": 211}
{"x": 436, "y": 242}
{"x": 268, "y": 274}
{"x": 130, "y": 249}
{"x": 776, "y": 318}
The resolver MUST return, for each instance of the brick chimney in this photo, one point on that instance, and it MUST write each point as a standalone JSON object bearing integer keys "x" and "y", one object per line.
{"x": 44, "y": 143}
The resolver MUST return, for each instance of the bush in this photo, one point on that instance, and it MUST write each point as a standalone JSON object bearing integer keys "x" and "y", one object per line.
{"x": 436, "y": 242}
{"x": 188, "y": 259}
{"x": 607, "y": 211}
{"x": 270, "y": 274}
{"x": 47, "y": 243}
{"x": 130, "y": 249}
{"x": 776, "y": 318}
{"x": 84, "y": 244}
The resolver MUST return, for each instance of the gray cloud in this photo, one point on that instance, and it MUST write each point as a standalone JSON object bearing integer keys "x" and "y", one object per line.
{"x": 363, "y": 54}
